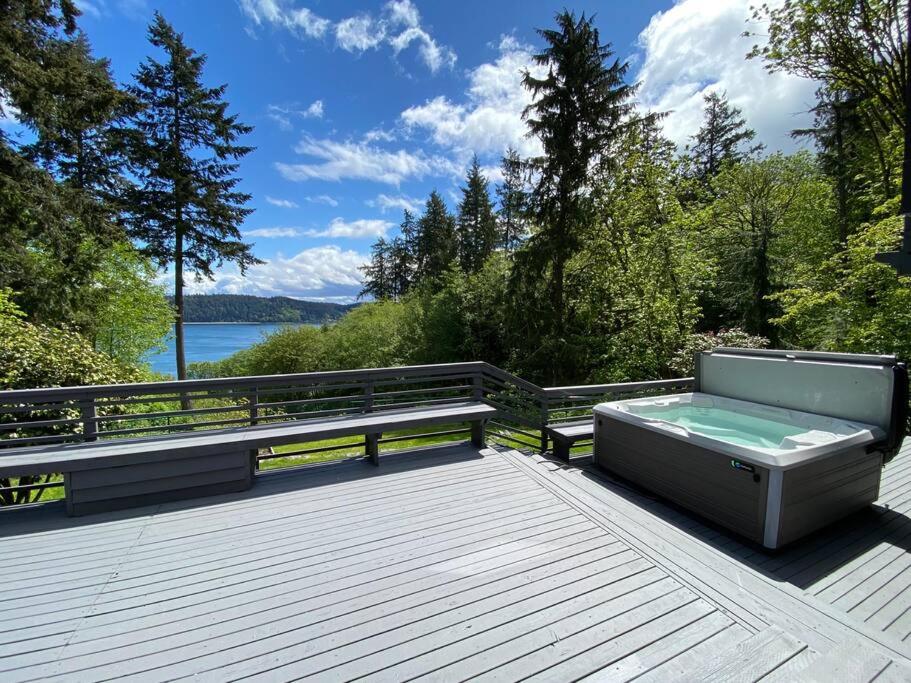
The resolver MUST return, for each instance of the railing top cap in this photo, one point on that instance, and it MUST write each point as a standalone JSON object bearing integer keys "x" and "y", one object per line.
{"x": 169, "y": 386}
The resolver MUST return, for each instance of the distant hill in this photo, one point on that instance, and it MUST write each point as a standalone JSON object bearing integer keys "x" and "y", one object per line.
{"x": 240, "y": 308}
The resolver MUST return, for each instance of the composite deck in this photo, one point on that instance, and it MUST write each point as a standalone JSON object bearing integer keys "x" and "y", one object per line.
{"x": 448, "y": 564}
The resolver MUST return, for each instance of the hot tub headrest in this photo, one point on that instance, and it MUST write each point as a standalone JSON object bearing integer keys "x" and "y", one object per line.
{"x": 864, "y": 388}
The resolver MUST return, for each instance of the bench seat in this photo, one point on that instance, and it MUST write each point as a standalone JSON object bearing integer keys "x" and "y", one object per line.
{"x": 104, "y": 475}
{"x": 565, "y": 435}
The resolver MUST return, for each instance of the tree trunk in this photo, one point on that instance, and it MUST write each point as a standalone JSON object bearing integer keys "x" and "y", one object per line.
{"x": 178, "y": 304}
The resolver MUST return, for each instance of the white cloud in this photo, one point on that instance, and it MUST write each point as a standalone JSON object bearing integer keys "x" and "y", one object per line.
{"x": 314, "y": 111}
{"x": 359, "y": 33}
{"x": 323, "y": 199}
{"x": 325, "y": 272}
{"x": 364, "y": 227}
{"x": 404, "y": 203}
{"x": 398, "y": 25}
{"x": 283, "y": 115}
{"x": 697, "y": 47}
{"x": 283, "y": 203}
{"x": 491, "y": 118}
{"x": 359, "y": 161}
{"x": 299, "y": 20}
{"x": 270, "y": 233}
{"x": 378, "y": 134}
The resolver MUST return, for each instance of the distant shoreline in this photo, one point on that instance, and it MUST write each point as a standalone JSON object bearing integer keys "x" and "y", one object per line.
{"x": 241, "y": 322}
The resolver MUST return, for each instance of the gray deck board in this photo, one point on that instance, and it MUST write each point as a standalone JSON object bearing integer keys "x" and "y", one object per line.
{"x": 444, "y": 564}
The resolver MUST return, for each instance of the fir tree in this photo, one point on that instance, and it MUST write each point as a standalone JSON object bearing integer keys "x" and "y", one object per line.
{"x": 723, "y": 138}
{"x": 577, "y": 115}
{"x": 477, "y": 225}
{"x": 184, "y": 151}
{"x": 436, "y": 245}
{"x": 378, "y": 281}
{"x": 511, "y": 193}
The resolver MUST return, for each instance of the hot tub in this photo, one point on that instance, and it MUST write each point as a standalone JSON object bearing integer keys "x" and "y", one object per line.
{"x": 769, "y": 469}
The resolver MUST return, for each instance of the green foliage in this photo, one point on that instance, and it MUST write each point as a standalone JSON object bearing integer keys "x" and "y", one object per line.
{"x": 436, "y": 243}
{"x": 185, "y": 207}
{"x": 33, "y": 355}
{"x": 723, "y": 139}
{"x": 477, "y": 225}
{"x": 511, "y": 214}
{"x": 577, "y": 115}
{"x": 851, "y": 302}
{"x": 244, "y": 308}
{"x": 771, "y": 221}
{"x": 133, "y": 316}
{"x": 683, "y": 362}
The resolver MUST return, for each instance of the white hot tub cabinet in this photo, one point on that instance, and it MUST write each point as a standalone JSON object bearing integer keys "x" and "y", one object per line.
{"x": 843, "y": 414}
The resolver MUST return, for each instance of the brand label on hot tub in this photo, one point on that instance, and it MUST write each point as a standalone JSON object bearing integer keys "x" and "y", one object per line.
{"x": 737, "y": 465}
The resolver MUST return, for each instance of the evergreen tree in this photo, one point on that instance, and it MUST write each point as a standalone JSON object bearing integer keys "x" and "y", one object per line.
{"x": 577, "y": 114}
{"x": 378, "y": 281}
{"x": 839, "y": 134}
{"x": 400, "y": 269}
{"x": 436, "y": 245}
{"x": 477, "y": 225}
{"x": 723, "y": 137}
{"x": 511, "y": 193}
{"x": 55, "y": 227}
{"x": 184, "y": 151}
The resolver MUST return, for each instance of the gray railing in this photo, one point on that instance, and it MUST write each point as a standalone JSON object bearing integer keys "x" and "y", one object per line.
{"x": 40, "y": 417}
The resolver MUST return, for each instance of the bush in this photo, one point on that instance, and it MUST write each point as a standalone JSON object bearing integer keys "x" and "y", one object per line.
{"x": 683, "y": 362}
{"x": 33, "y": 355}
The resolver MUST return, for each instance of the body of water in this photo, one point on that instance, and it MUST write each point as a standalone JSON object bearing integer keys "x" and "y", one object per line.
{"x": 212, "y": 341}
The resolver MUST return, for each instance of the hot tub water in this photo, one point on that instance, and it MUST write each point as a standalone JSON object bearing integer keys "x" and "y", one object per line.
{"x": 723, "y": 424}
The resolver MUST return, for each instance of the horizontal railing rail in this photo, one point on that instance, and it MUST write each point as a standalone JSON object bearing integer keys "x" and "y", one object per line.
{"x": 62, "y": 415}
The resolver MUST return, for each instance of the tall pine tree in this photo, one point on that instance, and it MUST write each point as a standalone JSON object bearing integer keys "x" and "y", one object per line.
{"x": 511, "y": 193}
{"x": 577, "y": 115}
{"x": 436, "y": 245}
{"x": 723, "y": 137}
{"x": 378, "y": 280}
{"x": 184, "y": 151}
{"x": 477, "y": 225}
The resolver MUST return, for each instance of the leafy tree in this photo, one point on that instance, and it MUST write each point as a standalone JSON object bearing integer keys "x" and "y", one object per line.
{"x": 770, "y": 224}
{"x": 852, "y": 47}
{"x": 859, "y": 47}
{"x": 513, "y": 200}
{"x": 850, "y": 302}
{"x": 55, "y": 226}
{"x": 577, "y": 114}
{"x": 636, "y": 278}
{"x": 723, "y": 138}
{"x": 34, "y": 355}
{"x": 436, "y": 245}
{"x": 133, "y": 315}
{"x": 477, "y": 225}
{"x": 683, "y": 363}
{"x": 184, "y": 148}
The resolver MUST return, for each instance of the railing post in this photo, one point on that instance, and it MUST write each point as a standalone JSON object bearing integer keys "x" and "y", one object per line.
{"x": 368, "y": 397}
{"x": 477, "y": 391}
{"x": 89, "y": 413}
{"x": 253, "y": 398}
{"x": 545, "y": 416}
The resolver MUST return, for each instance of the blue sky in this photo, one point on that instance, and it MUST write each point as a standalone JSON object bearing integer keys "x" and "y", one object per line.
{"x": 360, "y": 109}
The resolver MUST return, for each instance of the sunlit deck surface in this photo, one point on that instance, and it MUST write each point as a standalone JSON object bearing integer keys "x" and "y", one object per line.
{"x": 449, "y": 564}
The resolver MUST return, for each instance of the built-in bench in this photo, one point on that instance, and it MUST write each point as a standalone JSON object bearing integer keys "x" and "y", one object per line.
{"x": 115, "y": 474}
{"x": 567, "y": 434}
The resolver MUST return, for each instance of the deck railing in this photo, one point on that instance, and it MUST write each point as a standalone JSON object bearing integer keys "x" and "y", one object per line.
{"x": 40, "y": 417}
